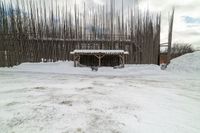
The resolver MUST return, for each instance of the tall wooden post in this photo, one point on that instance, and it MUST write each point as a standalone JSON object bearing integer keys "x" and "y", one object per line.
{"x": 123, "y": 60}
{"x": 99, "y": 61}
{"x": 74, "y": 60}
{"x": 170, "y": 37}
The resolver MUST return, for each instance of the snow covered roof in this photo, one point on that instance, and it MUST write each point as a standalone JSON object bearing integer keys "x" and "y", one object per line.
{"x": 91, "y": 51}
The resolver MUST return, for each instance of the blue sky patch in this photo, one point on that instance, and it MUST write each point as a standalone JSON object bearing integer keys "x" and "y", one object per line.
{"x": 191, "y": 20}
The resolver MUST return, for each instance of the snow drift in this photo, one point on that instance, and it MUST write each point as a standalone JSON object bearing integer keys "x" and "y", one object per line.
{"x": 68, "y": 68}
{"x": 188, "y": 63}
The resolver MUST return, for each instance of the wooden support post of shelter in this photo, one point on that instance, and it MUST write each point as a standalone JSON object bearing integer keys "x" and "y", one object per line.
{"x": 76, "y": 58}
{"x": 99, "y": 54}
{"x": 122, "y": 59}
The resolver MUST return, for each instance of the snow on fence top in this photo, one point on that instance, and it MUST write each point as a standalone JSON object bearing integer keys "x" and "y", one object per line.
{"x": 99, "y": 52}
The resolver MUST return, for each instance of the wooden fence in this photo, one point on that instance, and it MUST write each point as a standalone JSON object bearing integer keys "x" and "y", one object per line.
{"x": 33, "y": 32}
{"x": 16, "y": 51}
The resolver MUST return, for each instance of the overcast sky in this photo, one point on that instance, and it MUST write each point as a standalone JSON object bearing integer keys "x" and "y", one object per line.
{"x": 187, "y": 19}
{"x": 187, "y": 16}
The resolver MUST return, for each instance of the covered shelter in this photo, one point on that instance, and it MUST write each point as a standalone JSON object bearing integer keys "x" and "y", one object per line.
{"x": 99, "y": 57}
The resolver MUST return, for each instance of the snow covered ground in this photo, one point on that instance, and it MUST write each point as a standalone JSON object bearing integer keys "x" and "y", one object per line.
{"x": 58, "y": 98}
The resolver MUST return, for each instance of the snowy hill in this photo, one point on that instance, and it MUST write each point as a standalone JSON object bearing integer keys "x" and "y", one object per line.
{"x": 188, "y": 63}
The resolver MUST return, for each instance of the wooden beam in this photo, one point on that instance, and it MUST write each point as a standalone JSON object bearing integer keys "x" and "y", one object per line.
{"x": 74, "y": 58}
{"x": 170, "y": 36}
{"x": 79, "y": 58}
{"x": 99, "y": 62}
{"x": 122, "y": 62}
{"x": 120, "y": 59}
{"x": 99, "y": 58}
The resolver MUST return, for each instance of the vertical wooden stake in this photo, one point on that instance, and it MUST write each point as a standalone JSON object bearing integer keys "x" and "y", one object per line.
{"x": 120, "y": 60}
{"x": 74, "y": 60}
{"x": 123, "y": 60}
{"x": 99, "y": 61}
{"x": 79, "y": 58}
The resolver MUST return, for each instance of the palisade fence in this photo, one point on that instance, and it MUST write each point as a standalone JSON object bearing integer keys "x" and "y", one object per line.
{"x": 18, "y": 50}
{"x": 35, "y": 32}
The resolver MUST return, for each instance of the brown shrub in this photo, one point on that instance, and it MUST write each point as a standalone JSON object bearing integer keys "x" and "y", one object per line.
{"x": 179, "y": 49}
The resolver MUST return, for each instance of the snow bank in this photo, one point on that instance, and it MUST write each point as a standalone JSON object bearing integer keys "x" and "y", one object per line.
{"x": 188, "y": 63}
{"x": 68, "y": 68}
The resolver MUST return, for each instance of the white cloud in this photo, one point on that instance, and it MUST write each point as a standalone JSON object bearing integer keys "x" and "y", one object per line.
{"x": 183, "y": 32}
